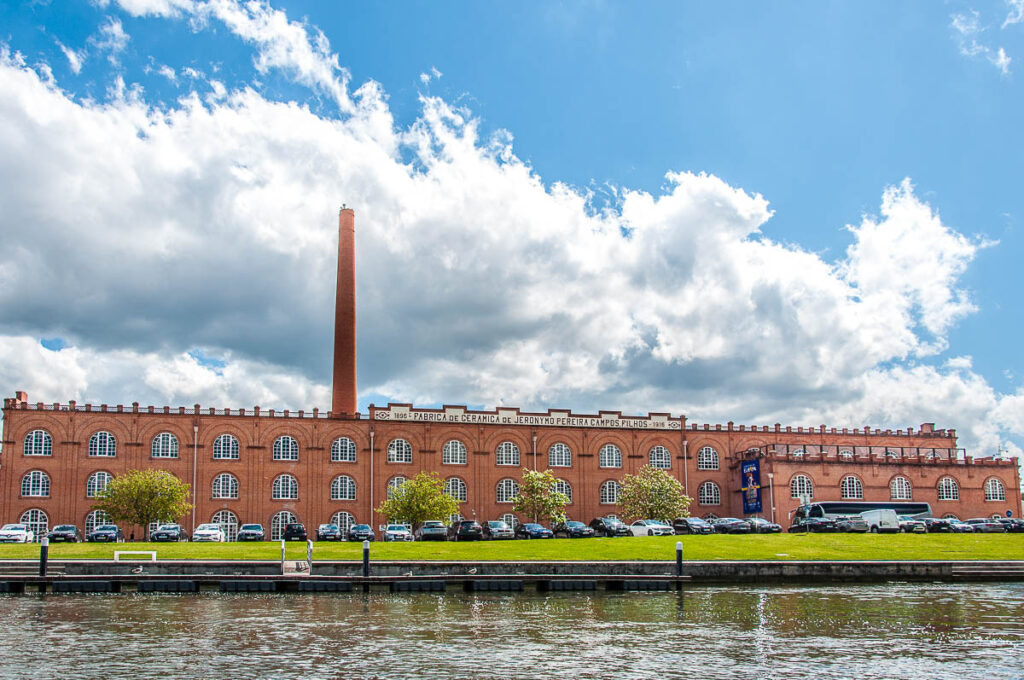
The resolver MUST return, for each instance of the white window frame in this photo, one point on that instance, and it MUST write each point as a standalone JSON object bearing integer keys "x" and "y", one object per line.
{"x": 35, "y": 484}
{"x": 454, "y": 453}
{"x": 102, "y": 444}
{"x": 224, "y": 479}
{"x": 37, "y": 521}
{"x": 610, "y": 456}
{"x": 659, "y": 458}
{"x": 286, "y": 448}
{"x": 97, "y": 482}
{"x": 343, "y": 450}
{"x": 225, "y": 447}
{"x": 851, "y": 488}
{"x": 709, "y": 493}
{"x": 507, "y": 453}
{"x": 900, "y": 489}
{"x": 456, "y": 488}
{"x": 399, "y": 451}
{"x": 948, "y": 489}
{"x": 506, "y": 491}
{"x": 283, "y": 485}
{"x": 609, "y": 493}
{"x": 563, "y": 486}
{"x": 278, "y": 522}
{"x": 228, "y": 523}
{"x": 394, "y": 483}
{"x": 995, "y": 490}
{"x": 343, "y": 488}
{"x": 707, "y": 458}
{"x": 38, "y": 443}
{"x": 801, "y": 485}
{"x": 165, "y": 445}
{"x": 559, "y": 455}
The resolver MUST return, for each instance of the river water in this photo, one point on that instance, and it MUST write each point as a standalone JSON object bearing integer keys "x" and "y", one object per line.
{"x": 864, "y": 631}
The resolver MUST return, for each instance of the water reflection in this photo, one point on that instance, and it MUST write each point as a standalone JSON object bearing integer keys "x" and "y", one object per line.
{"x": 888, "y": 631}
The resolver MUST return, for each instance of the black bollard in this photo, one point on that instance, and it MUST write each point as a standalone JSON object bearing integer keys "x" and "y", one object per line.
{"x": 44, "y": 549}
{"x": 366, "y": 559}
{"x": 679, "y": 558}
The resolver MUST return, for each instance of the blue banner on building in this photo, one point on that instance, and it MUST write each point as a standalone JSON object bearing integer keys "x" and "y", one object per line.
{"x": 750, "y": 480}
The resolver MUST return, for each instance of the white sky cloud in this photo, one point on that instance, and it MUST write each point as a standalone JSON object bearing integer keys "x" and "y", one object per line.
{"x": 1015, "y": 15}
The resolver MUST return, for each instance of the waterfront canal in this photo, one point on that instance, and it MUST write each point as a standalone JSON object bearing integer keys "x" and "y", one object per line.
{"x": 861, "y": 631}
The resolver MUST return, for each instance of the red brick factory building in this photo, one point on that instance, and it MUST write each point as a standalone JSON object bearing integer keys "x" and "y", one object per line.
{"x": 271, "y": 466}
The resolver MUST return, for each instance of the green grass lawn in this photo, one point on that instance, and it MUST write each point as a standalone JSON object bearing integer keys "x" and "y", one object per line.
{"x": 758, "y": 547}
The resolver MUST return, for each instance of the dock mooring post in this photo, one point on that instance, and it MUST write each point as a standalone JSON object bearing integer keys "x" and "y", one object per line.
{"x": 679, "y": 564}
{"x": 282, "y": 556}
{"x": 366, "y": 565}
{"x": 309, "y": 556}
{"x": 44, "y": 550}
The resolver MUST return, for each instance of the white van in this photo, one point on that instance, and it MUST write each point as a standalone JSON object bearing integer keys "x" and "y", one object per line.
{"x": 881, "y": 521}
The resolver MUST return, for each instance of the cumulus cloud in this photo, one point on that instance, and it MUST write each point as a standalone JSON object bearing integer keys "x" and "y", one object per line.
{"x": 74, "y": 58}
{"x": 1015, "y": 14}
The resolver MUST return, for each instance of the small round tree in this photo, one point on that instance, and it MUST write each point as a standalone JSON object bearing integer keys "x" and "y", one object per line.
{"x": 653, "y": 494}
{"x": 419, "y": 499}
{"x": 141, "y": 497}
{"x": 538, "y": 499}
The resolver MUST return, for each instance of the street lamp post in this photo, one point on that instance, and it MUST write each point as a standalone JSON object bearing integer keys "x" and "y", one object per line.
{"x": 195, "y": 460}
{"x": 771, "y": 494}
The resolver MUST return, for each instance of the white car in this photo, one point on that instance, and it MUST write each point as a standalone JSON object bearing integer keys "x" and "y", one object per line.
{"x": 16, "y": 533}
{"x": 651, "y": 527}
{"x": 208, "y": 532}
{"x": 397, "y": 532}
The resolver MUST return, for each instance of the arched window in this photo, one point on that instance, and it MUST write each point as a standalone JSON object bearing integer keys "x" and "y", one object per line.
{"x": 102, "y": 444}
{"x": 35, "y": 483}
{"x": 286, "y": 448}
{"x": 851, "y": 487}
{"x": 278, "y": 522}
{"x": 454, "y": 453}
{"x": 507, "y": 454}
{"x": 559, "y": 455}
{"x": 949, "y": 490}
{"x": 507, "y": 491}
{"x": 798, "y": 453}
{"x": 456, "y": 488}
{"x": 563, "y": 486}
{"x": 394, "y": 483}
{"x": 899, "y": 489}
{"x": 343, "y": 450}
{"x": 801, "y": 486}
{"x": 97, "y": 482}
{"x": 610, "y": 492}
{"x": 707, "y": 459}
{"x": 285, "y": 487}
{"x": 510, "y": 519}
{"x": 225, "y": 485}
{"x": 994, "y": 490}
{"x": 38, "y": 443}
{"x": 343, "y": 488}
{"x": 845, "y": 454}
{"x": 950, "y": 515}
{"x": 96, "y": 518}
{"x": 660, "y": 458}
{"x": 709, "y": 494}
{"x": 228, "y": 523}
{"x": 610, "y": 456}
{"x": 225, "y": 447}
{"x": 399, "y": 451}
{"x": 37, "y": 522}
{"x": 165, "y": 445}
{"x": 344, "y": 520}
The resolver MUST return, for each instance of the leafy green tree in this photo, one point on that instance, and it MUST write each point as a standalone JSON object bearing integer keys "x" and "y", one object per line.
{"x": 653, "y": 494}
{"x": 538, "y": 499}
{"x": 140, "y": 497}
{"x": 419, "y": 499}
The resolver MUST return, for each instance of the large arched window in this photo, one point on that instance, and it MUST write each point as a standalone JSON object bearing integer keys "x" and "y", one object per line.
{"x": 228, "y": 523}
{"x": 610, "y": 456}
{"x": 225, "y": 447}
{"x": 399, "y": 451}
{"x": 278, "y": 523}
{"x": 97, "y": 482}
{"x": 610, "y": 492}
{"x": 343, "y": 450}
{"x": 949, "y": 490}
{"x": 851, "y": 487}
{"x": 36, "y": 484}
{"x": 510, "y": 519}
{"x": 709, "y": 494}
{"x": 165, "y": 445}
{"x": 899, "y": 489}
{"x": 285, "y": 487}
{"x": 563, "y": 486}
{"x": 660, "y": 458}
{"x": 37, "y": 522}
{"x": 38, "y": 443}
{"x": 344, "y": 520}
{"x": 454, "y": 453}
{"x": 507, "y": 491}
{"x": 801, "y": 486}
{"x": 559, "y": 455}
{"x": 96, "y": 518}
{"x": 456, "y": 488}
{"x": 994, "y": 490}
{"x": 393, "y": 484}
{"x": 507, "y": 454}
{"x": 286, "y": 448}
{"x": 707, "y": 459}
{"x": 102, "y": 444}
{"x": 343, "y": 488}
{"x": 225, "y": 485}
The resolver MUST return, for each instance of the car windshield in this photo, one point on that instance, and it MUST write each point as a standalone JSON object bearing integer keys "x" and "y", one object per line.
{"x": 329, "y": 527}
{"x": 574, "y": 524}
{"x": 432, "y": 524}
{"x": 361, "y": 527}
{"x": 107, "y": 527}
{"x": 208, "y": 527}
{"x": 13, "y": 527}
{"x": 533, "y": 527}
{"x": 396, "y": 527}
{"x": 167, "y": 527}
{"x": 64, "y": 527}
{"x": 251, "y": 527}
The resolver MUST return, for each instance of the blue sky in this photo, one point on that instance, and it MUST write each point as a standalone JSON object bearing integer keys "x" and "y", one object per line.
{"x": 782, "y": 124}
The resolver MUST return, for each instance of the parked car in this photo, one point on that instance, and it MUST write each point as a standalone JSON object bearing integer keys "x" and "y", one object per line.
{"x": 935, "y": 525}
{"x": 397, "y": 532}
{"x": 466, "y": 530}
{"x": 818, "y": 525}
{"x": 434, "y": 530}
{"x": 105, "y": 533}
{"x": 209, "y": 532}
{"x": 960, "y": 527}
{"x": 67, "y": 533}
{"x": 251, "y": 532}
{"x": 497, "y": 529}
{"x": 852, "y": 524}
{"x": 16, "y": 533}
{"x": 1012, "y": 525}
{"x": 361, "y": 532}
{"x": 167, "y": 533}
{"x": 651, "y": 527}
{"x": 293, "y": 531}
{"x": 572, "y": 529}
{"x": 609, "y": 527}
{"x": 729, "y": 525}
{"x": 328, "y": 532}
{"x": 911, "y": 525}
{"x": 986, "y": 525}
{"x": 760, "y": 525}
{"x": 531, "y": 530}
{"x": 691, "y": 525}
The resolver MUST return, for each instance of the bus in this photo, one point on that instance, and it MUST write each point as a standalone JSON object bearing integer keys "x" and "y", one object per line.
{"x": 834, "y": 509}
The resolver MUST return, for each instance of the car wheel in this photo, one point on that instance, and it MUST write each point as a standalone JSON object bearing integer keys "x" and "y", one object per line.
{"x": 874, "y": 530}
{"x": 650, "y": 532}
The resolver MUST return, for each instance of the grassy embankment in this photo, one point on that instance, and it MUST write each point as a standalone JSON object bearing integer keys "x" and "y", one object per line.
{"x": 761, "y": 547}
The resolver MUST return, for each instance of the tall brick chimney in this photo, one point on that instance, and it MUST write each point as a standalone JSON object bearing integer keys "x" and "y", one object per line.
{"x": 344, "y": 397}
